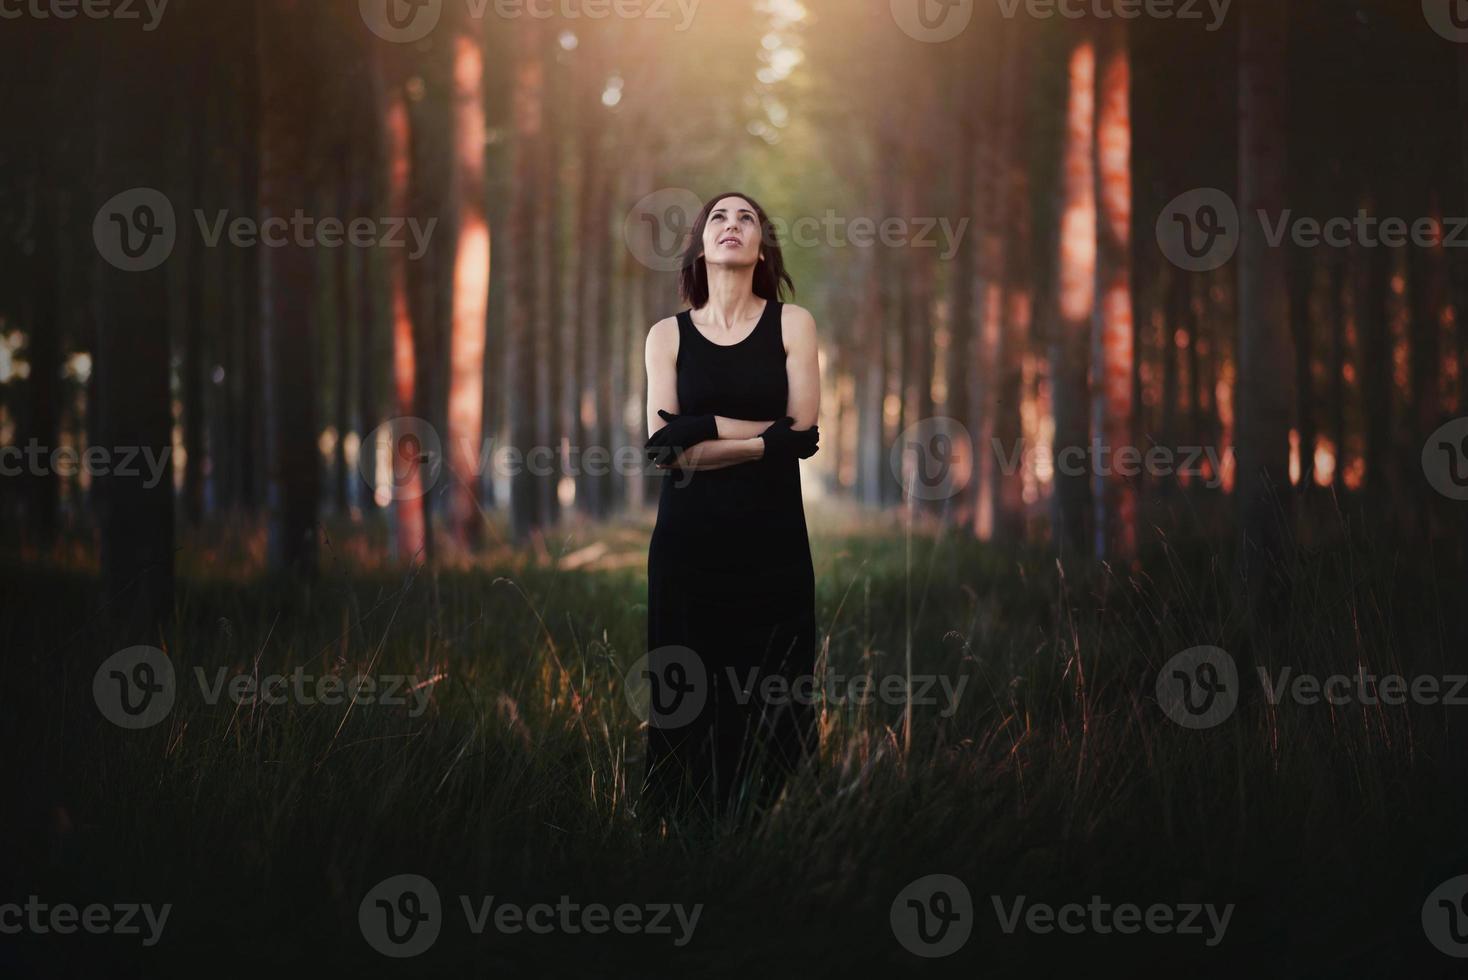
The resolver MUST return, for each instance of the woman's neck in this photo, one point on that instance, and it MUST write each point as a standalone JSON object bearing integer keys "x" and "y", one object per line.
{"x": 732, "y": 302}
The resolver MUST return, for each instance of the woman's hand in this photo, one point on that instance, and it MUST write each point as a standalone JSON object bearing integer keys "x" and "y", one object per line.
{"x": 681, "y": 433}
{"x": 784, "y": 442}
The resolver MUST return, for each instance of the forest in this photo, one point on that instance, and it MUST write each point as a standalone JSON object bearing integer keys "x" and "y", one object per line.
{"x": 1143, "y": 334}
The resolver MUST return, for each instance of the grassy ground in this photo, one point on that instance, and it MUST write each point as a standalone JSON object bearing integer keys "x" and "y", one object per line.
{"x": 1057, "y": 777}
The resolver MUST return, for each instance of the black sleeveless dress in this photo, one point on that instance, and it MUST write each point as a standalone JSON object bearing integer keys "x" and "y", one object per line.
{"x": 731, "y": 596}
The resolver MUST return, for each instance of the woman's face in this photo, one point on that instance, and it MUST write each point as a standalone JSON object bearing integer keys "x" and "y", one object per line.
{"x": 732, "y": 235}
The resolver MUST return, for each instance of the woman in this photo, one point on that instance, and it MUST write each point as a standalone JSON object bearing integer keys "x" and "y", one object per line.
{"x": 733, "y": 394}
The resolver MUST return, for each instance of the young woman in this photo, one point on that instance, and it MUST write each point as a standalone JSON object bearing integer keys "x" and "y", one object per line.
{"x": 733, "y": 394}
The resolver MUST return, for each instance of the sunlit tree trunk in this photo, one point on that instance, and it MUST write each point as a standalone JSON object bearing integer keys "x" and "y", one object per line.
{"x": 1077, "y": 297}
{"x": 1008, "y": 505}
{"x": 1300, "y": 272}
{"x": 981, "y": 362}
{"x": 405, "y": 474}
{"x": 551, "y": 306}
{"x": 961, "y": 289}
{"x": 470, "y": 291}
{"x": 522, "y": 347}
{"x": 1376, "y": 369}
{"x": 1177, "y": 316}
{"x": 1338, "y": 269}
{"x": 1114, "y": 495}
{"x": 593, "y": 221}
{"x": 870, "y": 461}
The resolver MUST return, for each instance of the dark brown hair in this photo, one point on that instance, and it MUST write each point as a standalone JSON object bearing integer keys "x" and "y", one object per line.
{"x": 771, "y": 280}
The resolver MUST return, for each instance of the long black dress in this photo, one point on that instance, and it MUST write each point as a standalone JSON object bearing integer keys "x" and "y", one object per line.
{"x": 731, "y": 596}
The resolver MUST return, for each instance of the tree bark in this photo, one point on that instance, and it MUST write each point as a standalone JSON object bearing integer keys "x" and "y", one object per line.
{"x": 1114, "y": 495}
{"x": 1077, "y": 299}
{"x": 1265, "y": 358}
{"x": 287, "y": 275}
{"x": 470, "y": 292}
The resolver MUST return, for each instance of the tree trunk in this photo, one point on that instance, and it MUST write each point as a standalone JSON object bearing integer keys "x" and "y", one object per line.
{"x": 1115, "y": 495}
{"x": 1266, "y": 362}
{"x": 1077, "y": 299}
{"x": 470, "y": 293}
{"x": 1300, "y": 272}
{"x": 521, "y": 346}
{"x": 550, "y": 304}
{"x": 1013, "y": 189}
{"x": 287, "y": 277}
{"x": 407, "y": 477}
{"x": 133, "y": 411}
{"x": 194, "y": 355}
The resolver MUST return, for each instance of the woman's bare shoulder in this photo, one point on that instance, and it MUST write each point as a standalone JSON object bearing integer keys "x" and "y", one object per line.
{"x": 663, "y": 335}
{"x": 797, "y": 325}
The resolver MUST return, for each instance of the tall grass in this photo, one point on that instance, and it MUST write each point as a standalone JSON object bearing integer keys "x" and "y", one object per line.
{"x": 1056, "y": 777}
